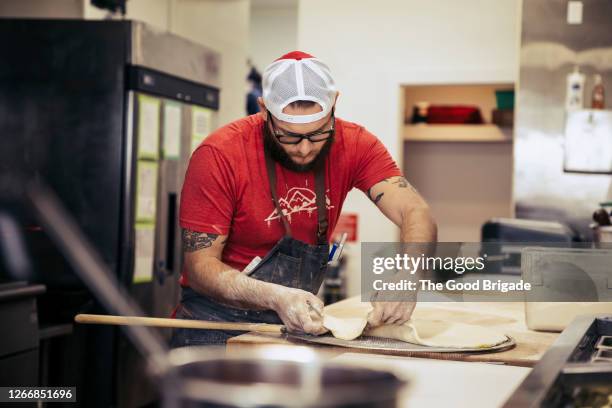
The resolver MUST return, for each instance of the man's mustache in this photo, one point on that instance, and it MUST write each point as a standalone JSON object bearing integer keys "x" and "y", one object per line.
{"x": 289, "y": 161}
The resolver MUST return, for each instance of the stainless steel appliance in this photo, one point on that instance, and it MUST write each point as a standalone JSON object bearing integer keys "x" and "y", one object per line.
{"x": 109, "y": 113}
{"x": 19, "y": 346}
{"x": 575, "y": 372}
{"x": 546, "y": 156}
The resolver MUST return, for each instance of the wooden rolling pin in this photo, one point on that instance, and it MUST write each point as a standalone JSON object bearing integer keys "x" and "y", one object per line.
{"x": 178, "y": 323}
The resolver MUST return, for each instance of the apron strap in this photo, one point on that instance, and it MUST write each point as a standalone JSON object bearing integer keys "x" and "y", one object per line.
{"x": 322, "y": 223}
{"x": 271, "y": 167}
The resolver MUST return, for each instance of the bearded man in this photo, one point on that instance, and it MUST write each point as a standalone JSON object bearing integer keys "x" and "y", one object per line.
{"x": 272, "y": 185}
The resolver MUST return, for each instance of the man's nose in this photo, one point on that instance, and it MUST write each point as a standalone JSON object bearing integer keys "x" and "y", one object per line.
{"x": 304, "y": 147}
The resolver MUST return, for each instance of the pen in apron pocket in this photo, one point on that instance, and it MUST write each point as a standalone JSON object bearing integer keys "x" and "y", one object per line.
{"x": 254, "y": 262}
{"x": 336, "y": 252}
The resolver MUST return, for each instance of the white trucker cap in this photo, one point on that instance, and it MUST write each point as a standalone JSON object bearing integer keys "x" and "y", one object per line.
{"x": 298, "y": 76}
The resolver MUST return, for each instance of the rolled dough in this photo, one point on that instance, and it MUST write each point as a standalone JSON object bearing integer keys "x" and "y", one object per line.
{"x": 347, "y": 320}
{"x": 346, "y": 328}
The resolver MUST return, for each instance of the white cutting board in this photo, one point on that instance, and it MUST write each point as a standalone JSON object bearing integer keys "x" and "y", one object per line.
{"x": 440, "y": 383}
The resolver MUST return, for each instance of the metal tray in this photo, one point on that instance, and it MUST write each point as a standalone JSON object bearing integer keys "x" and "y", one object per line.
{"x": 393, "y": 345}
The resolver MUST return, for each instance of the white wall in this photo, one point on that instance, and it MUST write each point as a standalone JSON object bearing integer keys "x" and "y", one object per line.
{"x": 273, "y": 32}
{"x": 154, "y": 12}
{"x": 466, "y": 184}
{"x": 222, "y": 25}
{"x": 41, "y": 8}
{"x": 373, "y": 47}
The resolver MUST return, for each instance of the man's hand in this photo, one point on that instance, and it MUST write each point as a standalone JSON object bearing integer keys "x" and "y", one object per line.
{"x": 390, "y": 313}
{"x": 295, "y": 308}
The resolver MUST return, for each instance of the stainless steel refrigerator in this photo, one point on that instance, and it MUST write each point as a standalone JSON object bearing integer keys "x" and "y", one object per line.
{"x": 109, "y": 113}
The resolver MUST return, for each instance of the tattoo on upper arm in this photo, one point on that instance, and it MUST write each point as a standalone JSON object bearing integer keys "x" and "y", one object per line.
{"x": 193, "y": 241}
{"x": 401, "y": 182}
{"x": 376, "y": 199}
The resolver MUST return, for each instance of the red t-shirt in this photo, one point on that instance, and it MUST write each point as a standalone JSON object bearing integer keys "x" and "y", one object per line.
{"x": 226, "y": 189}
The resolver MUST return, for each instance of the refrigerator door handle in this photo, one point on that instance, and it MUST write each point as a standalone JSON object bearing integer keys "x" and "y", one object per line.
{"x": 161, "y": 272}
{"x": 165, "y": 267}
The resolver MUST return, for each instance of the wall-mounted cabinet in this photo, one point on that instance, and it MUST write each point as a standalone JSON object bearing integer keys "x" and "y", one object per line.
{"x": 458, "y": 113}
{"x": 464, "y": 171}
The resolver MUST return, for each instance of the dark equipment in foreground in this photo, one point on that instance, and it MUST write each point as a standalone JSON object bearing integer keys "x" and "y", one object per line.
{"x": 575, "y": 372}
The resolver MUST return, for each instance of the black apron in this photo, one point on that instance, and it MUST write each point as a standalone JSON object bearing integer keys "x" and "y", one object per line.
{"x": 291, "y": 263}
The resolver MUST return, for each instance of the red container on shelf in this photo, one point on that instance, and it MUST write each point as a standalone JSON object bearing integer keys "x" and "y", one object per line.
{"x": 454, "y": 114}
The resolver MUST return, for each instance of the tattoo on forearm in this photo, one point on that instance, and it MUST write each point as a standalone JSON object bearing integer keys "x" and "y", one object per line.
{"x": 193, "y": 241}
{"x": 403, "y": 183}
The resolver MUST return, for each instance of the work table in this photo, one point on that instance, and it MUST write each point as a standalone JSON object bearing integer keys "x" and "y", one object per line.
{"x": 437, "y": 383}
{"x": 506, "y": 317}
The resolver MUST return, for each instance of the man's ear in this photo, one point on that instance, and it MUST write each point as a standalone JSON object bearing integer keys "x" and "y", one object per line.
{"x": 262, "y": 108}
{"x": 336, "y": 98}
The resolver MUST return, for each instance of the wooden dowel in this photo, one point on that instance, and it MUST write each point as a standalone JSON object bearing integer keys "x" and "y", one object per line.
{"x": 177, "y": 323}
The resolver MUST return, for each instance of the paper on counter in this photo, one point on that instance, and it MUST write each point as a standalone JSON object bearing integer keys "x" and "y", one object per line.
{"x": 172, "y": 130}
{"x": 144, "y": 249}
{"x": 201, "y": 125}
{"x": 148, "y": 127}
{"x": 146, "y": 191}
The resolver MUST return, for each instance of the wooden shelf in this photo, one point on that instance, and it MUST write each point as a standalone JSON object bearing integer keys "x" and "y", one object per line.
{"x": 457, "y": 133}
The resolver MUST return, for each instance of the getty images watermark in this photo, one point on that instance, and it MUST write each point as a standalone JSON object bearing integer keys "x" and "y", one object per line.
{"x": 501, "y": 271}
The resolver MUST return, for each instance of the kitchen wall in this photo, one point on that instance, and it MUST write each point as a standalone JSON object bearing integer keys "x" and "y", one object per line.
{"x": 272, "y": 31}
{"x": 42, "y": 8}
{"x": 154, "y": 12}
{"x": 548, "y": 53}
{"x": 374, "y": 47}
{"x": 223, "y": 26}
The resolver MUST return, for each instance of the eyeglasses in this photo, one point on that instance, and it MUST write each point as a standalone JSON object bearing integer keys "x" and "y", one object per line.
{"x": 286, "y": 137}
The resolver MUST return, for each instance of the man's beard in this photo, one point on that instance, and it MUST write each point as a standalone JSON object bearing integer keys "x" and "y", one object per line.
{"x": 280, "y": 155}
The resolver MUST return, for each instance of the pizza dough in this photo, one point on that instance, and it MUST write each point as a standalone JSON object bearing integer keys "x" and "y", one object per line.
{"x": 347, "y": 328}
{"x": 347, "y": 320}
{"x": 440, "y": 333}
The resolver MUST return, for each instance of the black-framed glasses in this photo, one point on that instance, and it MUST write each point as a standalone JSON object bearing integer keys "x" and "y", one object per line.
{"x": 286, "y": 137}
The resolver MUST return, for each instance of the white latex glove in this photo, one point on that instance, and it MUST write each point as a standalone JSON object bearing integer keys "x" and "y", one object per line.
{"x": 295, "y": 308}
{"x": 390, "y": 313}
